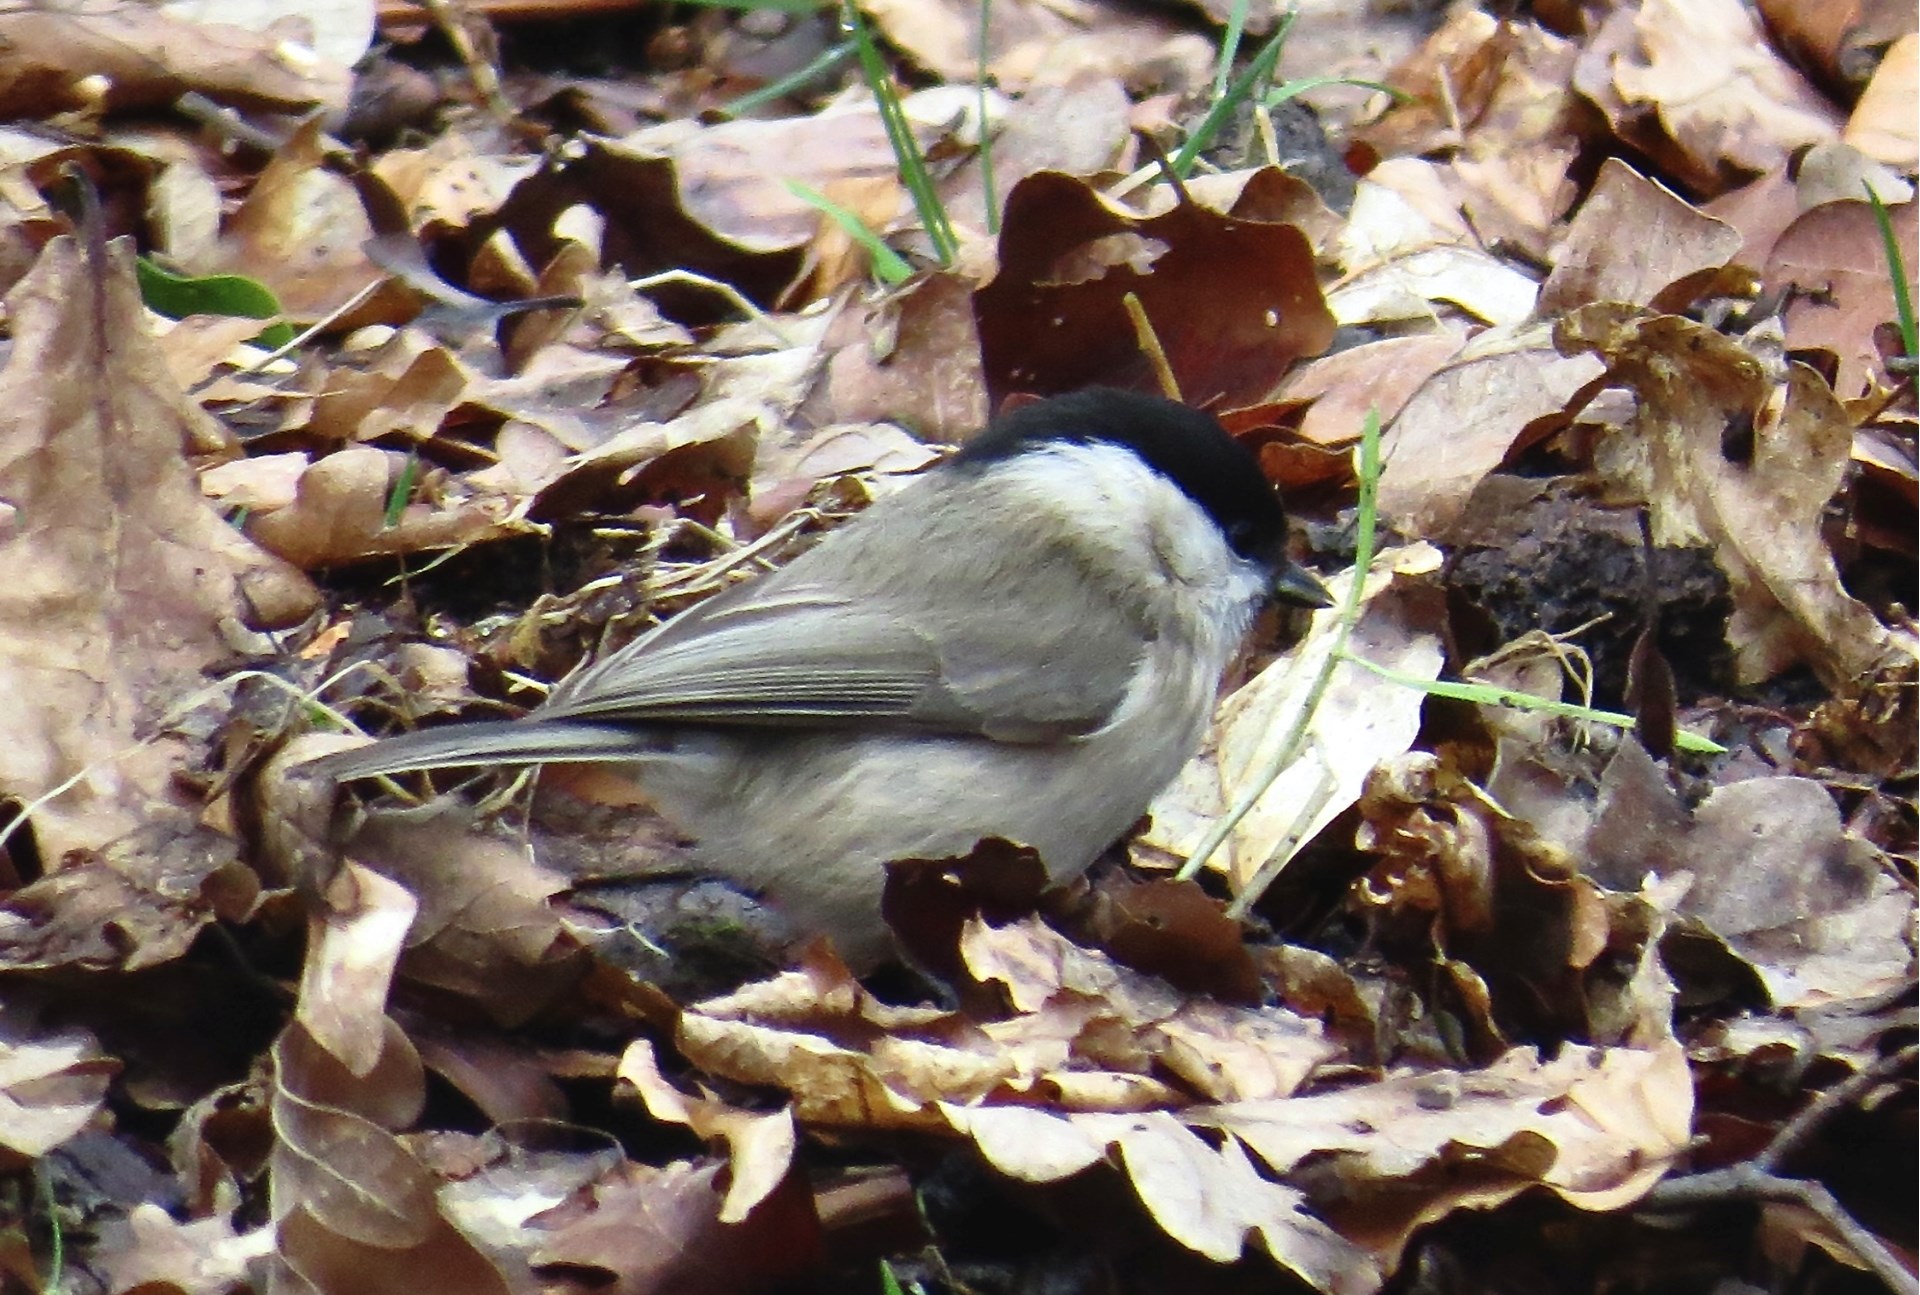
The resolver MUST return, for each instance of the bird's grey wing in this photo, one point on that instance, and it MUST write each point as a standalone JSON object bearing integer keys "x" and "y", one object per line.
{"x": 794, "y": 653}
{"x": 799, "y": 658}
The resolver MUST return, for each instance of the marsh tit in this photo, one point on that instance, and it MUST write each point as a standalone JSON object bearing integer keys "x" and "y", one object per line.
{"x": 1024, "y": 642}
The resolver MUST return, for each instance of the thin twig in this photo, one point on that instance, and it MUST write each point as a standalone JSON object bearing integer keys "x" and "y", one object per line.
{"x": 1793, "y": 1135}
{"x": 1757, "y": 1179}
{"x": 314, "y": 329}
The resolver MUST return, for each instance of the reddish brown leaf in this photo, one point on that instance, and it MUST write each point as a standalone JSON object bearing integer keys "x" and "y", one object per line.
{"x": 1233, "y": 302}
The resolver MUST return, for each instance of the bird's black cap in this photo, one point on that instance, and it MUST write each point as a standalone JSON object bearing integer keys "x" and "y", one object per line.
{"x": 1185, "y": 445}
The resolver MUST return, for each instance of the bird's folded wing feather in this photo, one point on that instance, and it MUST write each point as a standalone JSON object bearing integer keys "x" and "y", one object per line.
{"x": 782, "y": 653}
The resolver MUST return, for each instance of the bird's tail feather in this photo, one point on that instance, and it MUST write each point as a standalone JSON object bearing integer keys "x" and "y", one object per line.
{"x": 507, "y": 743}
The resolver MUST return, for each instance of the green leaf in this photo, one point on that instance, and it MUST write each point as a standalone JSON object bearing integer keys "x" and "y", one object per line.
{"x": 233, "y": 295}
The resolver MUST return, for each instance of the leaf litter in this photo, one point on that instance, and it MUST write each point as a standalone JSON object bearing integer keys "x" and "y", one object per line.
{"x": 571, "y": 355}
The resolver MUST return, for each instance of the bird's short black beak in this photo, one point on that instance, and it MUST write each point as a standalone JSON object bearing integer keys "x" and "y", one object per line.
{"x": 1295, "y": 584}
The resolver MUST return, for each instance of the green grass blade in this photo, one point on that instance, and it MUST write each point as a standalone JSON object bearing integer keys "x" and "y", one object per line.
{"x": 1295, "y": 740}
{"x": 824, "y": 62}
{"x": 1897, "y": 270}
{"x": 1230, "y": 47}
{"x": 57, "y": 1235}
{"x": 1485, "y": 694}
{"x": 1258, "y": 71}
{"x": 888, "y": 264}
{"x": 402, "y": 492}
{"x": 906, "y": 149}
{"x": 1294, "y": 89}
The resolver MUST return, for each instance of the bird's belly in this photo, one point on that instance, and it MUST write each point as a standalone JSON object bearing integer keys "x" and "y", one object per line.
{"x": 811, "y": 819}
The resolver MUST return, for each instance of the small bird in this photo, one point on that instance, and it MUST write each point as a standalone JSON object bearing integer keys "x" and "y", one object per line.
{"x": 1025, "y": 642}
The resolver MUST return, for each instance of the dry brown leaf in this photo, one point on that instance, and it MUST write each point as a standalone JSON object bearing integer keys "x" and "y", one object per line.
{"x": 911, "y": 356}
{"x": 1670, "y": 240}
{"x": 1810, "y": 905}
{"x": 1360, "y": 720}
{"x": 1209, "y": 1199}
{"x": 1456, "y": 876}
{"x": 707, "y": 451}
{"x": 1835, "y": 256}
{"x": 639, "y": 1230}
{"x": 339, "y": 513}
{"x": 302, "y": 231}
{"x": 352, "y": 949}
{"x": 355, "y": 1211}
{"x": 733, "y": 175}
{"x": 52, "y": 1082}
{"x": 1233, "y": 301}
{"x": 1046, "y": 1093}
{"x": 1038, "y": 42}
{"x": 635, "y": 196}
{"x": 1411, "y": 287}
{"x": 1466, "y": 420}
{"x": 484, "y": 930}
{"x": 1496, "y": 96}
{"x": 1771, "y": 870}
{"x": 1597, "y": 1125}
{"x": 1839, "y": 172}
{"x": 1123, "y": 1019}
{"x": 1695, "y": 85}
{"x": 451, "y": 182}
{"x": 508, "y": 1083}
{"x": 1447, "y": 84}
{"x": 338, "y": 30}
{"x": 1837, "y": 38}
{"x": 1079, "y": 126}
{"x": 1435, "y": 854}
{"x": 404, "y": 389}
{"x": 785, "y": 474}
{"x": 1404, "y": 205}
{"x": 150, "y": 1251}
{"x": 1085, "y": 1035}
{"x": 128, "y": 586}
{"x": 1268, "y": 193}
{"x": 1375, "y": 377}
{"x": 1407, "y": 250}
{"x": 1882, "y": 124}
{"x": 783, "y": 1030}
{"x": 760, "y": 1144}
{"x": 566, "y": 391}
{"x": 1762, "y": 516}
{"x": 1760, "y": 210}
{"x": 130, "y": 56}
{"x": 194, "y": 347}
{"x": 1515, "y": 169}
{"x": 139, "y": 901}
